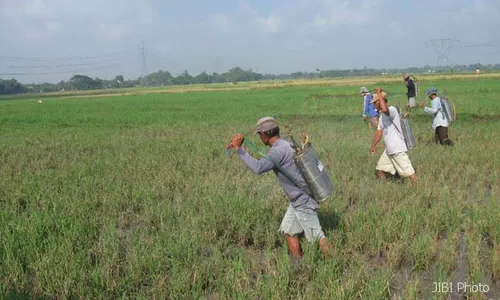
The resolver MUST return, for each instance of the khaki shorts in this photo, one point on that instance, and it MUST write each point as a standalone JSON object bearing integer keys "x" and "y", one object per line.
{"x": 398, "y": 162}
{"x": 412, "y": 102}
{"x": 303, "y": 220}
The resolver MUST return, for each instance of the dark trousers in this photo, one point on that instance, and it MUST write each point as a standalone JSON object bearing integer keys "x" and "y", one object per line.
{"x": 441, "y": 136}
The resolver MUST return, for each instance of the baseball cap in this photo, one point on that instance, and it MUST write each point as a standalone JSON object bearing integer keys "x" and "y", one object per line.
{"x": 406, "y": 75}
{"x": 363, "y": 90}
{"x": 376, "y": 97}
{"x": 266, "y": 124}
{"x": 431, "y": 91}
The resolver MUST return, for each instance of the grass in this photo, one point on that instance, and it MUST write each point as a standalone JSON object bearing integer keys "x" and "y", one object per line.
{"x": 133, "y": 197}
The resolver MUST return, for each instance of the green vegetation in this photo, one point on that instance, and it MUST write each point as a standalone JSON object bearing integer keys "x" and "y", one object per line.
{"x": 236, "y": 75}
{"x": 133, "y": 197}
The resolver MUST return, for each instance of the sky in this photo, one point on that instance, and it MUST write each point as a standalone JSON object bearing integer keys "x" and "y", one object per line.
{"x": 50, "y": 40}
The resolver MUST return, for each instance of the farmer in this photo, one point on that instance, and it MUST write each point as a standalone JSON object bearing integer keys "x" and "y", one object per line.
{"x": 368, "y": 108}
{"x": 439, "y": 122}
{"x": 410, "y": 92}
{"x": 394, "y": 159}
{"x": 302, "y": 213}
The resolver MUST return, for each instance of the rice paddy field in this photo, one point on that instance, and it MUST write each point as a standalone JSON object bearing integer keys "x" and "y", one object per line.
{"x": 133, "y": 197}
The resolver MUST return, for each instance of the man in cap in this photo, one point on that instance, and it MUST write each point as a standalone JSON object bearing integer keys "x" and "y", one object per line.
{"x": 410, "y": 92}
{"x": 302, "y": 213}
{"x": 439, "y": 122}
{"x": 369, "y": 109}
{"x": 394, "y": 159}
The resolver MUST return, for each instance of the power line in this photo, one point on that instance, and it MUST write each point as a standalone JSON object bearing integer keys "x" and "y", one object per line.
{"x": 63, "y": 65}
{"x": 80, "y": 70}
{"x": 42, "y": 59}
{"x": 488, "y": 44}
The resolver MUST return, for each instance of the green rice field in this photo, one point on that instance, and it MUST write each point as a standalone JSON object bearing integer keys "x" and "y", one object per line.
{"x": 133, "y": 197}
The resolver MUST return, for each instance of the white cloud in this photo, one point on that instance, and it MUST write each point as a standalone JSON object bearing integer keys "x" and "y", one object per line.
{"x": 396, "y": 28}
{"x": 270, "y": 24}
{"x": 52, "y": 26}
{"x": 347, "y": 16}
{"x": 221, "y": 22}
{"x": 37, "y": 8}
{"x": 113, "y": 31}
{"x": 320, "y": 21}
{"x": 484, "y": 6}
{"x": 39, "y": 18}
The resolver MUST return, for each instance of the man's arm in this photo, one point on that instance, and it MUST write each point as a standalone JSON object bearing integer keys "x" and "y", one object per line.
{"x": 365, "y": 107}
{"x": 383, "y": 106}
{"x": 257, "y": 166}
{"x": 433, "y": 109}
{"x": 376, "y": 139}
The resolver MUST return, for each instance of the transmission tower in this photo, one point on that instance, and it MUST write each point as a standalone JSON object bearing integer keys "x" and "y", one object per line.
{"x": 144, "y": 70}
{"x": 442, "y": 47}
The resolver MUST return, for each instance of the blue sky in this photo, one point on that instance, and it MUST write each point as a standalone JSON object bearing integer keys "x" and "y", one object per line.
{"x": 274, "y": 36}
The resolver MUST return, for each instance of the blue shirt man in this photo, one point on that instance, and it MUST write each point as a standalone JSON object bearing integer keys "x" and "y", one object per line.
{"x": 369, "y": 109}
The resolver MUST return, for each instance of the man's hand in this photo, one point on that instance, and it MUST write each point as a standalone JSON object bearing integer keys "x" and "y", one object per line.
{"x": 373, "y": 149}
{"x": 364, "y": 117}
{"x": 422, "y": 104}
{"x": 237, "y": 141}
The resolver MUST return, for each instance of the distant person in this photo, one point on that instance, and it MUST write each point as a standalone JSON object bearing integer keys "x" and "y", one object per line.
{"x": 439, "y": 122}
{"x": 394, "y": 160}
{"x": 302, "y": 213}
{"x": 411, "y": 92}
{"x": 369, "y": 109}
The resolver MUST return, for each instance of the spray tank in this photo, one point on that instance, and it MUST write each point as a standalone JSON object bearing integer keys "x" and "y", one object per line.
{"x": 448, "y": 108}
{"x": 407, "y": 131}
{"x": 417, "y": 85}
{"x": 312, "y": 170}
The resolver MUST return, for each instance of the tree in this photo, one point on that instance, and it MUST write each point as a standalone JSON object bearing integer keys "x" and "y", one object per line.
{"x": 203, "y": 78}
{"x": 82, "y": 82}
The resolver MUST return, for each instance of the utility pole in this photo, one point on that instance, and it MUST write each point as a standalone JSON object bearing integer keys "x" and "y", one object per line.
{"x": 144, "y": 70}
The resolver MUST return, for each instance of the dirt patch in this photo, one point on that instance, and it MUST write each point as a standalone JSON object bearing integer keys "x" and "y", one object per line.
{"x": 460, "y": 274}
{"x": 399, "y": 281}
{"x": 328, "y": 96}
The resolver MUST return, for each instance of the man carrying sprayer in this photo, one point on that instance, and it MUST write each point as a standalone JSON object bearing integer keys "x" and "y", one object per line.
{"x": 369, "y": 109}
{"x": 439, "y": 122}
{"x": 302, "y": 213}
{"x": 394, "y": 159}
{"x": 411, "y": 92}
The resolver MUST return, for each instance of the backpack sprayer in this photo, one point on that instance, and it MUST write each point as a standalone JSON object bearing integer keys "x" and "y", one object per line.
{"x": 417, "y": 85}
{"x": 448, "y": 108}
{"x": 319, "y": 186}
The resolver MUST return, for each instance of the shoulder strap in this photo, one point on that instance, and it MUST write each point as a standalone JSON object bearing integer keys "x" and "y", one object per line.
{"x": 394, "y": 123}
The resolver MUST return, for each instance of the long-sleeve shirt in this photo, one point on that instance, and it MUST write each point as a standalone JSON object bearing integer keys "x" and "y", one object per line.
{"x": 368, "y": 108}
{"x": 283, "y": 154}
{"x": 410, "y": 86}
{"x": 436, "y": 111}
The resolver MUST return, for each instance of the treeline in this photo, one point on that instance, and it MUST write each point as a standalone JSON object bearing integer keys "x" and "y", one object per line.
{"x": 234, "y": 75}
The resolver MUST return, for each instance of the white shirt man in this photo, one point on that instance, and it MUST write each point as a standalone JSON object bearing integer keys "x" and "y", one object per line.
{"x": 394, "y": 159}
{"x": 439, "y": 121}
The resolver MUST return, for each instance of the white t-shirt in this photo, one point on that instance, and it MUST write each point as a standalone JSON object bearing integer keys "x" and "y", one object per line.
{"x": 393, "y": 138}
